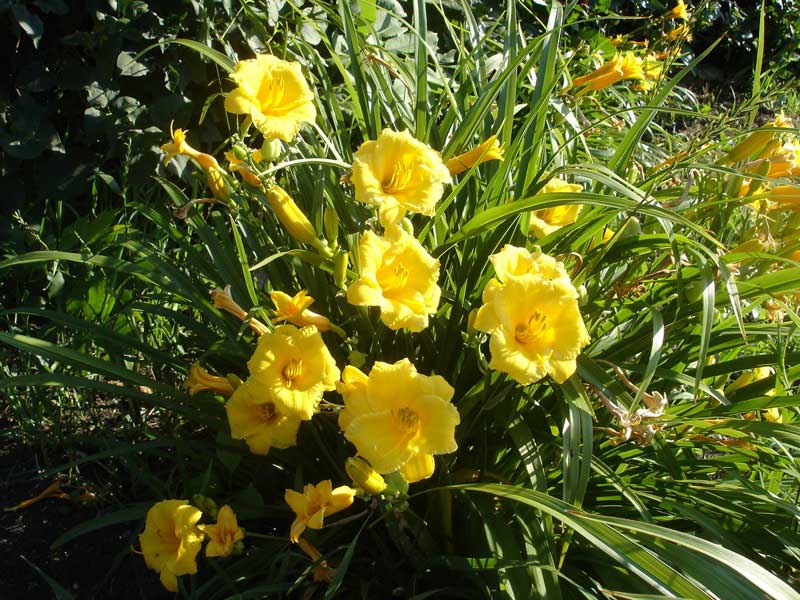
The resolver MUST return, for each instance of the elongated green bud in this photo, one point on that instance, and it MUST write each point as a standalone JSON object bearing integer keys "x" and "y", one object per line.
{"x": 331, "y": 222}
{"x": 340, "y": 262}
{"x": 271, "y": 150}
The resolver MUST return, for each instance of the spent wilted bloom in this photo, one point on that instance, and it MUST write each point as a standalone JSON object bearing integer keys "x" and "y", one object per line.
{"x": 200, "y": 380}
{"x": 274, "y": 94}
{"x": 238, "y": 165}
{"x": 171, "y": 540}
{"x": 364, "y": 476}
{"x": 294, "y": 309}
{"x": 396, "y": 415}
{"x": 224, "y": 534}
{"x": 682, "y": 32}
{"x": 679, "y": 11}
{"x": 618, "y": 67}
{"x": 398, "y": 275}
{"x": 315, "y": 503}
{"x": 398, "y": 174}
{"x": 215, "y": 174}
{"x": 488, "y": 150}
{"x": 545, "y": 221}
{"x": 223, "y": 299}
{"x": 254, "y": 418}
{"x": 295, "y": 368}
{"x": 531, "y": 311}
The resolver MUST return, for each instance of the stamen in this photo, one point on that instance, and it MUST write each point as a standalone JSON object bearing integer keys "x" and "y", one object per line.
{"x": 535, "y": 327}
{"x": 292, "y": 371}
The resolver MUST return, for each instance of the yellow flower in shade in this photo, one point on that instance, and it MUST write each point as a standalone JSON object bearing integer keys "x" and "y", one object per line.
{"x": 294, "y": 368}
{"x": 315, "y": 503}
{"x": 398, "y": 174}
{"x": 488, "y": 150}
{"x": 681, "y": 32}
{"x": 398, "y": 275}
{"x": 757, "y": 141}
{"x": 619, "y": 67}
{"x": 749, "y": 377}
{"x": 238, "y": 165}
{"x": 294, "y": 309}
{"x": 254, "y": 417}
{"x": 786, "y": 196}
{"x": 223, "y": 535}
{"x": 535, "y": 324}
{"x": 293, "y": 219}
{"x": 678, "y": 11}
{"x": 274, "y": 94}
{"x": 547, "y": 220}
{"x": 397, "y": 418}
{"x": 171, "y": 540}
{"x": 200, "y": 380}
{"x": 364, "y": 476}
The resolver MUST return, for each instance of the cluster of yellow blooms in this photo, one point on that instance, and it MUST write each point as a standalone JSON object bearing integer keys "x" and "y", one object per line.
{"x": 172, "y": 538}
{"x": 645, "y": 70}
{"x": 396, "y": 418}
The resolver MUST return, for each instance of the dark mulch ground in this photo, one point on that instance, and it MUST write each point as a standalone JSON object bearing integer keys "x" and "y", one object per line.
{"x": 97, "y": 565}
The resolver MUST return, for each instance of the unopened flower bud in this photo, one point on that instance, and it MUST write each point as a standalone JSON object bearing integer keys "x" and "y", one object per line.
{"x": 357, "y": 359}
{"x": 364, "y": 476}
{"x": 340, "y": 262}
{"x": 239, "y": 151}
{"x": 331, "y": 222}
{"x": 271, "y": 150}
{"x": 205, "y": 504}
{"x": 292, "y": 218}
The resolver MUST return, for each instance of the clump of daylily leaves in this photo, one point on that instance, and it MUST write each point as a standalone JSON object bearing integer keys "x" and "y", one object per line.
{"x": 396, "y": 418}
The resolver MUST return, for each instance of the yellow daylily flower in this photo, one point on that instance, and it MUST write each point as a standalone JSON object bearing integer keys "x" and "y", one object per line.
{"x": 223, "y": 535}
{"x": 254, "y": 417}
{"x": 170, "y": 541}
{"x": 364, "y": 476}
{"x": 293, "y": 219}
{"x": 547, "y": 220}
{"x": 315, "y": 503}
{"x": 513, "y": 261}
{"x": 757, "y": 141}
{"x": 749, "y": 377}
{"x": 294, "y": 309}
{"x": 488, "y": 150}
{"x": 200, "y": 380}
{"x": 398, "y": 275}
{"x": 395, "y": 416}
{"x": 681, "y": 32}
{"x": 238, "y": 165}
{"x": 398, "y": 174}
{"x": 295, "y": 368}
{"x": 617, "y": 68}
{"x": 535, "y": 324}
{"x": 679, "y": 11}
{"x": 274, "y": 94}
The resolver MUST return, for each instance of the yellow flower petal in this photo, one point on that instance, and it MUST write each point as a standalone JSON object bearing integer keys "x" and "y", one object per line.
{"x": 418, "y": 468}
